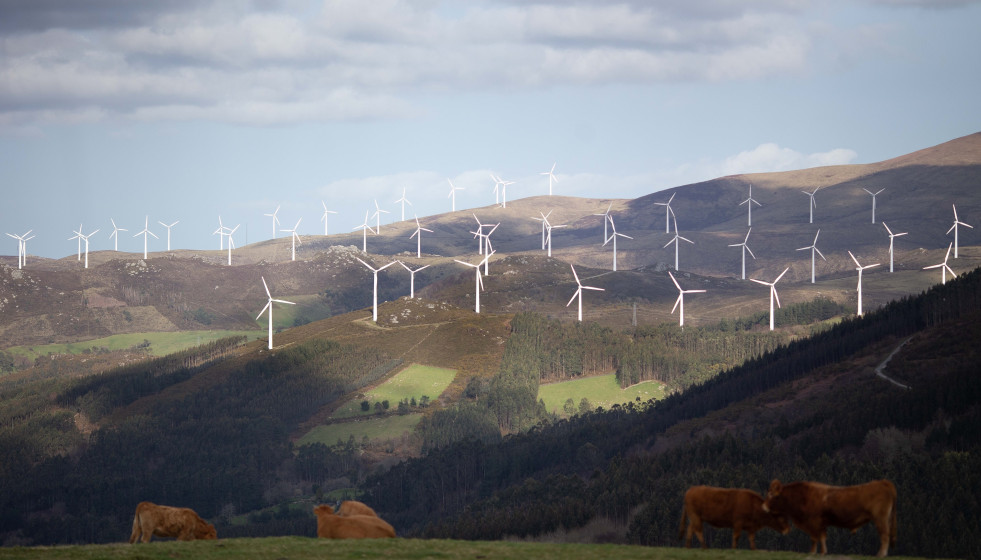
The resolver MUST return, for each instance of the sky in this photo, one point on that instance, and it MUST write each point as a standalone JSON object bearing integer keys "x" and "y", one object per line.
{"x": 181, "y": 110}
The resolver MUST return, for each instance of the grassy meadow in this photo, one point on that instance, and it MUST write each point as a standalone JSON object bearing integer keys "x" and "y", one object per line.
{"x": 386, "y": 427}
{"x": 161, "y": 343}
{"x": 601, "y": 390}
{"x": 414, "y": 381}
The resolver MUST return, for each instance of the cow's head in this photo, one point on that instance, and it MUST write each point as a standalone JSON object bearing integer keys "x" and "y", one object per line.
{"x": 323, "y": 509}
{"x": 205, "y": 531}
{"x": 774, "y": 500}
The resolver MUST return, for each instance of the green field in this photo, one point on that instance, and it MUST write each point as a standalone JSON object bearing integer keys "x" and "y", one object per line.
{"x": 414, "y": 381}
{"x": 386, "y": 427}
{"x": 307, "y": 308}
{"x": 601, "y": 390}
{"x": 161, "y": 343}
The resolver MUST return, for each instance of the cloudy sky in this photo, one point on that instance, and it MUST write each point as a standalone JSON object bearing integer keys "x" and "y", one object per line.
{"x": 187, "y": 110}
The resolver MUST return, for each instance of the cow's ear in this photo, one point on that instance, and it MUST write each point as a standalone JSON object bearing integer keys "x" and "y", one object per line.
{"x": 775, "y": 487}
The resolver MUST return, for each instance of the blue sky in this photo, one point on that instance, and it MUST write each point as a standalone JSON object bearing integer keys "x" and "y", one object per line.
{"x": 187, "y": 110}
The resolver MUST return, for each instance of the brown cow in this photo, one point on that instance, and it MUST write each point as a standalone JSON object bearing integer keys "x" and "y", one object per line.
{"x": 333, "y": 526}
{"x": 735, "y": 508}
{"x": 349, "y": 508}
{"x": 165, "y": 521}
{"x": 814, "y": 507}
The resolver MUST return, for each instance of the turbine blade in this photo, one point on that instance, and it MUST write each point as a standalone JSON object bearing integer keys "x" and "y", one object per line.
{"x": 781, "y": 275}
{"x": 677, "y": 301}
{"x": 673, "y": 280}
{"x": 750, "y": 252}
{"x": 776, "y": 296}
{"x": 576, "y": 276}
{"x": 819, "y": 252}
{"x": 268, "y": 305}
{"x": 578, "y": 292}
{"x": 282, "y": 301}
{"x": 858, "y": 264}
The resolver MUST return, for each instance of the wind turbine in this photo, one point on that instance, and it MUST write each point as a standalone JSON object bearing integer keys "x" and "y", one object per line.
{"x": 86, "y": 238}
{"x": 479, "y": 282}
{"x": 944, "y": 267}
{"x": 479, "y": 234}
{"x": 773, "y": 292}
{"x": 667, "y": 212}
{"x": 579, "y": 290}
{"x": 953, "y": 227}
{"x": 231, "y": 243}
{"x": 324, "y": 217}
{"x": 377, "y": 217}
{"x": 613, "y": 236}
{"x": 860, "y": 269}
{"x": 294, "y": 236}
{"x": 78, "y": 235}
{"x": 452, "y": 195}
{"x": 544, "y": 221}
{"x": 268, "y": 306}
{"x": 606, "y": 217}
{"x": 375, "y": 271}
{"x": 168, "y": 231}
{"x": 891, "y": 236}
{"x": 275, "y": 221}
{"x": 366, "y": 228}
{"x": 412, "y": 278}
{"x": 551, "y": 178}
{"x": 873, "y": 194}
{"x": 812, "y": 204}
{"x": 548, "y": 237}
{"x": 749, "y": 202}
{"x": 503, "y": 185}
{"x": 220, "y": 232}
{"x": 146, "y": 231}
{"x": 22, "y": 247}
{"x": 419, "y": 230}
{"x": 115, "y": 234}
{"x": 488, "y": 249}
{"x": 404, "y": 201}
{"x": 674, "y": 240}
{"x": 745, "y": 248}
{"x": 814, "y": 249}
{"x": 680, "y": 302}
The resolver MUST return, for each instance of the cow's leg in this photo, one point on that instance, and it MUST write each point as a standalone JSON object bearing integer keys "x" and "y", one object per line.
{"x": 136, "y": 529}
{"x": 824, "y": 541}
{"x": 735, "y": 537}
{"x": 696, "y": 525}
{"x": 884, "y": 537}
{"x": 752, "y": 541}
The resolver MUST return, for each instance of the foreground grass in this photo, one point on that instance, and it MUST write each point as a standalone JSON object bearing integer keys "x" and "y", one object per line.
{"x": 299, "y": 548}
{"x": 601, "y": 390}
{"x": 161, "y": 343}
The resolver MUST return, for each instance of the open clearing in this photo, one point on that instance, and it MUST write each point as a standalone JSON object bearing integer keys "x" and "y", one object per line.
{"x": 414, "y": 381}
{"x": 386, "y": 427}
{"x": 161, "y": 343}
{"x": 601, "y": 390}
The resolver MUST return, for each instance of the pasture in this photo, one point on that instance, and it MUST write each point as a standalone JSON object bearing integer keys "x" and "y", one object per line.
{"x": 600, "y": 390}
{"x": 414, "y": 381}
{"x": 161, "y": 343}
{"x": 385, "y": 427}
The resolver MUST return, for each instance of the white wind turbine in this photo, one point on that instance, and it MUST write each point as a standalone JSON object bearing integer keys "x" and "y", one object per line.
{"x": 231, "y": 243}
{"x": 675, "y": 240}
{"x": 418, "y": 232}
{"x": 814, "y": 249}
{"x": 944, "y": 267}
{"x": 115, "y": 234}
{"x": 295, "y": 237}
{"x": 275, "y": 221}
{"x": 377, "y": 217}
{"x": 873, "y": 194}
{"x": 479, "y": 234}
{"x": 412, "y": 278}
{"x": 146, "y": 232}
{"x": 403, "y": 201}
{"x": 773, "y": 292}
{"x": 548, "y": 236}
{"x": 606, "y": 218}
{"x": 503, "y": 185}
{"x": 324, "y": 217}
{"x": 544, "y": 221}
{"x": 667, "y": 212}
{"x": 268, "y": 306}
{"x": 860, "y": 269}
{"x": 488, "y": 249}
{"x": 365, "y": 228}
{"x": 551, "y": 178}
{"x": 22, "y": 247}
{"x": 891, "y": 236}
{"x": 374, "y": 301}
{"x": 812, "y": 204}
{"x": 78, "y": 235}
{"x": 680, "y": 302}
{"x": 579, "y": 290}
{"x": 86, "y": 238}
{"x": 221, "y": 232}
{"x": 749, "y": 202}
{"x": 168, "y": 231}
{"x": 745, "y": 248}
{"x": 452, "y": 195}
{"x": 952, "y": 228}
{"x": 479, "y": 282}
{"x": 613, "y": 237}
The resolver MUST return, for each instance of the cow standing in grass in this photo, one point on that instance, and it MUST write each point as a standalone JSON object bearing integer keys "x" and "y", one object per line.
{"x": 183, "y": 524}
{"x": 735, "y": 508}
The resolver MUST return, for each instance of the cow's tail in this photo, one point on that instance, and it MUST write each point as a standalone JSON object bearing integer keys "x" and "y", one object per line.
{"x": 681, "y": 525}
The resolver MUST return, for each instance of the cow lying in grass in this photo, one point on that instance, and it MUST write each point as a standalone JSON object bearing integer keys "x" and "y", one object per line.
{"x": 333, "y": 526}
{"x": 735, "y": 508}
{"x": 165, "y": 521}
{"x": 350, "y": 508}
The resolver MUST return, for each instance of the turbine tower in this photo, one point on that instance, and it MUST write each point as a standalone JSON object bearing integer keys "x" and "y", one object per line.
{"x": 502, "y": 185}
{"x": 891, "y": 237}
{"x": 365, "y": 228}
{"x": 613, "y": 237}
{"x": 231, "y": 243}
{"x": 268, "y": 306}
{"x": 606, "y": 217}
{"x": 412, "y": 278}
{"x": 86, "y": 239}
{"x": 479, "y": 234}
{"x": 544, "y": 221}
{"x": 944, "y": 267}
{"x": 773, "y": 292}
{"x": 403, "y": 201}
{"x": 115, "y": 234}
{"x": 579, "y": 290}
{"x": 873, "y": 194}
{"x": 551, "y": 178}
{"x": 146, "y": 231}
{"x": 479, "y": 282}
{"x": 324, "y": 217}
{"x": 860, "y": 269}
{"x": 418, "y": 232}
{"x": 548, "y": 236}
{"x": 675, "y": 241}
{"x": 294, "y": 236}
{"x": 377, "y": 217}
{"x": 812, "y": 204}
{"x": 168, "y": 231}
{"x": 680, "y": 302}
{"x": 814, "y": 249}
{"x": 667, "y": 212}
{"x": 275, "y": 221}
{"x": 952, "y": 228}
{"x": 452, "y": 195}
{"x": 375, "y": 271}
{"x": 749, "y": 202}
{"x": 745, "y": 248}
{"x": 78, "y": 235}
